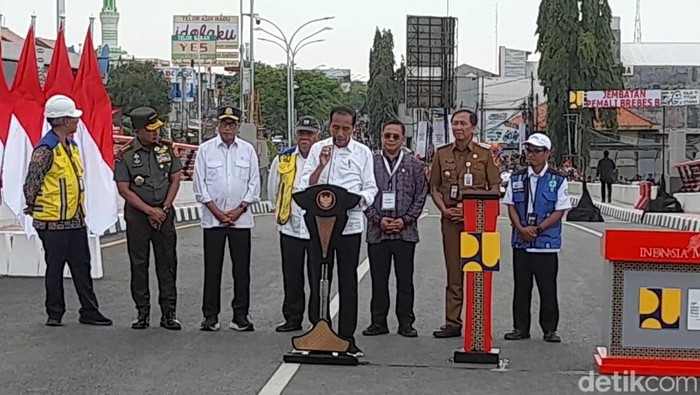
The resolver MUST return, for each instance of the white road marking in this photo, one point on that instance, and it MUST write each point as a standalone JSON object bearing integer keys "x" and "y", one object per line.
{"x": 583, "y": 228}
{"x": 286, "y": 371}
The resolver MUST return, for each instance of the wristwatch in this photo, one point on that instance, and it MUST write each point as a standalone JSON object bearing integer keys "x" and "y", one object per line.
{"x": 244, "y": 207}
{"x": 166, "y": 209}
{"x": 539, "y": 229}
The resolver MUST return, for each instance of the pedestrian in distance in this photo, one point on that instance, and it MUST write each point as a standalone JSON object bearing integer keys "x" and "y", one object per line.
{"x": 392, "y": 229}
{"x": 283, "y": 181}
{"x": 227, "y": 182}
{"x": 55, "y": 197}
{"x": 147, "y": 173}
{"x": 458, "y": 167}
{"x": 344, "y": 162}
{"x": 537, "y": 198}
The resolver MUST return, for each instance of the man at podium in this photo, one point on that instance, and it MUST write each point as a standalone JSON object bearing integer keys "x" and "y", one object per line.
{"x": 342, "y": 161}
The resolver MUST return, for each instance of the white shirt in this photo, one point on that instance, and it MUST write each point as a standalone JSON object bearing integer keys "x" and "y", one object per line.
{"x": 563, "y": 201}
{"x": 350, "y": 167}
{"x": 295, "y": 227}
{"x": 227, "y": 176}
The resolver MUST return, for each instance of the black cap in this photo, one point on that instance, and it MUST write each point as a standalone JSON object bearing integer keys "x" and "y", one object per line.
{"x": 145, "y": 118}
{"x": 229, "y": 112}
{"x": 308, "y": 123}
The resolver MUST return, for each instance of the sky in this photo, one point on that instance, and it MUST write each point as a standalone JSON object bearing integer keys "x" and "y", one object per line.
{"x": 146, "y": 25}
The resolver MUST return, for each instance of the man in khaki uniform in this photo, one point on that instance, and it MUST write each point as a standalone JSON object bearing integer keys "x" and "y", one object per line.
{"x": 458, "y": 167}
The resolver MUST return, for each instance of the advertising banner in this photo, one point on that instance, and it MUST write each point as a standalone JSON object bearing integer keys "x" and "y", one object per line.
{"x": 193, "y": 48}
{"x": 182, "y": 83}
{"x": 634, "y": 98}
{"x": 224, "y": 28}
{"x": 496, "y": 130}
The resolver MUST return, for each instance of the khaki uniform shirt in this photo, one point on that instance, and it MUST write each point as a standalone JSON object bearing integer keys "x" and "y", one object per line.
{"x": 450, "y": 164}
{"x": 147, "y": 170}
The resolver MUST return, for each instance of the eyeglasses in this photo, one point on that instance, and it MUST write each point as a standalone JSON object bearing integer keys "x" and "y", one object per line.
{"x": 534, "y": 150}
{"x": 392, "y": 136}
{"x": 228, "y": 124}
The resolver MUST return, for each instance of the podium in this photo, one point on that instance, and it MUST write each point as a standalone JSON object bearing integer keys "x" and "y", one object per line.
{"x": 651, "y": 320}
{"x": 480, "y": 255}
{"x": 326, "y": 216}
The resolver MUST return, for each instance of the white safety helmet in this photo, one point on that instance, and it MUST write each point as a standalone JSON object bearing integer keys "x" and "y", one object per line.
{"x": 60, "y": 106}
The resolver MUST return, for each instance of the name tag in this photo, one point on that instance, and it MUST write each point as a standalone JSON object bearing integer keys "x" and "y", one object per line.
{"x": 468, "y": 179}
{"x": 517, "y": 185}
{"x": 164, "y": 158}
{"x": 388, "y": 201}
{"x": 454, "y": 191}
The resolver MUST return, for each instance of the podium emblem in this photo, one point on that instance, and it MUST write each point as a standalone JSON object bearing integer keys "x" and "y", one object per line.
{"x": 480, "y": 252}
{"x": 325, "y": 200}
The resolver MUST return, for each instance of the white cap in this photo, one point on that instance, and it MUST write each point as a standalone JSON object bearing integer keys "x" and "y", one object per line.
{"x": 539, "y": 140}
{"x": 60, "y": 106}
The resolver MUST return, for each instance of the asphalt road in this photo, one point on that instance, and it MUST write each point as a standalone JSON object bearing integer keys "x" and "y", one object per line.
{"x": 77, "y": 359}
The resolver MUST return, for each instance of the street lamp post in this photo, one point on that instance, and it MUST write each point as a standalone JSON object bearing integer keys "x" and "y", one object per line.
{"x": 291, "y": 51}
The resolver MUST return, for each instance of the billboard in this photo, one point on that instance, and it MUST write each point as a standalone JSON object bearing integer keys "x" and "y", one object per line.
{"x": 496, "y": 129}
{"x": 512, "y": 62}
{"x": 634, "y": 98}
{"x": 430, "y": 61}
{"x": 186, "y": 48}
{"x": 223, "y": 27}
{"x": 182, "y": 83}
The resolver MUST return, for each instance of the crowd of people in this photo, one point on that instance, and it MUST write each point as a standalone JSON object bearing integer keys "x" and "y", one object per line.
{"x": 391, "y": 185}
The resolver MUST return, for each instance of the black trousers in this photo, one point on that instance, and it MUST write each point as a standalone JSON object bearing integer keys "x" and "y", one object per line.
{"x": 61, "y": 247}
{"x": 140, "y": 235}
{"x": 606, "y": 187}
{"x": 239, "y": 242}
{"x": 347, "y": 256}
{"x": 295, "y": 257}
{"x": 380, "y": 257}
{"x": 543, "y": 267}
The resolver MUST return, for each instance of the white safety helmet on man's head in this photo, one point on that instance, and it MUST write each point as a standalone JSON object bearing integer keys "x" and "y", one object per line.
{"x": 60, "y": 106}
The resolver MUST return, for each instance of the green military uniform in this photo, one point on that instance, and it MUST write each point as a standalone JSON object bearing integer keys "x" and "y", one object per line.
{"x": 148, "y": 169}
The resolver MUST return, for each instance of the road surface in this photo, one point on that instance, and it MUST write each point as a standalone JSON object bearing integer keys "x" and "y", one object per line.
{"x": 77, "y": 359}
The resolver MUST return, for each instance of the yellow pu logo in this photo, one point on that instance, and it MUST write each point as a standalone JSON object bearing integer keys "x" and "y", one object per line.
{"x": 659, "y": 308}
{"x": 480, "y": 252}
{"x": 576, "y": 99}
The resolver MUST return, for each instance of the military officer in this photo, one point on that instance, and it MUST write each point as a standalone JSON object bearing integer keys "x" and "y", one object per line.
{"x": 147, "y": 173}
{"x": 458, "y": 167}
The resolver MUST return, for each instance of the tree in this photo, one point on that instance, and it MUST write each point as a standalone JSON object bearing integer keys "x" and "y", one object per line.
{"x": 136, "y": 84}
{"x": 382, "y": 93}
{"x": 315, "y": 95}
{"x": 575, "y": 43}
{"x": 356, "y": 97}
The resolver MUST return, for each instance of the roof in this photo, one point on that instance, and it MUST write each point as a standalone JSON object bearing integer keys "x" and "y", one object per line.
{"x": 9, "y": 35}
{"x": 626, "y": 120}
{"x": 660, "y": 54}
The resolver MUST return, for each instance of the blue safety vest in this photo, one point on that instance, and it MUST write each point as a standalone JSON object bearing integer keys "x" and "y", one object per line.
{"x": 544, "y": 204}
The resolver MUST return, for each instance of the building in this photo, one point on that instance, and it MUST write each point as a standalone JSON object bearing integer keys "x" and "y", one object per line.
{"x": 109, "y": 20}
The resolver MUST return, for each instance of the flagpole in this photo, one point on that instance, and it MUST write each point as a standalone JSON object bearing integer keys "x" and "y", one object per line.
{"x": 33, "y": 24}
{"x": 199, "y": 86}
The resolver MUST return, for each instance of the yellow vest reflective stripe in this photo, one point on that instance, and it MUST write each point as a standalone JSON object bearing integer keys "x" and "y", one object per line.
{"x": 62, "y": 190}
{"x": 287, "y": 169}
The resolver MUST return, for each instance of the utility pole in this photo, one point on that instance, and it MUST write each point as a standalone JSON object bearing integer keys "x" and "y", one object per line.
{"x": 252, "y": 63}
{"x": 482, "y": 132}
{"x": 241, "y": 64}
{"x": 531, "y": 105}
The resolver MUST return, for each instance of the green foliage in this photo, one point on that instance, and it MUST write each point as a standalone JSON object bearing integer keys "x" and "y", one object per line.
{"x": 136, "y": 84}
{"x": 575, "y": 42}
{"x": 271, "y": 150}
{"x": 356, "y": 97}
{"x": 385, "y": 85}
{"x": 315, "y": 96}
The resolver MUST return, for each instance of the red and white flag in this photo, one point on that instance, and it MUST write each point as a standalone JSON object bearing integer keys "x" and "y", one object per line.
{"x": 95, "y": 140}
{"x": 26, "y": 127}
{"x": 5, "y": 115}
{"x": 59, "y": 77}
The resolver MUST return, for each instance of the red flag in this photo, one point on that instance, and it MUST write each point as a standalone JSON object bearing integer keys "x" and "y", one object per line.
{"x": 94, "y": 137}
{"x": 59, "y": 78}
{"x": 26, "y": 91}
{"x": 91, "y": 96}
{"x": 5, "y": 113}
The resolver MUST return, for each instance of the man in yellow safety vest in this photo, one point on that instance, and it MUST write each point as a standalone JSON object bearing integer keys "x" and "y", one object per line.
{"x": 55, "y": 197}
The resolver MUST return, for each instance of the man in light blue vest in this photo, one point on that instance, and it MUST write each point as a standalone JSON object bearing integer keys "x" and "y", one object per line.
{"x": 537, "y": 198}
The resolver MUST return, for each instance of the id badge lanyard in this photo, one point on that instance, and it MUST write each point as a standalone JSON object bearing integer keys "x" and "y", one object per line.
{"x": 389, "y": 197}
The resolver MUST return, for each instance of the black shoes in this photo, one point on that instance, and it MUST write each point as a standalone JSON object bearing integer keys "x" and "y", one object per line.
{"x": 94, "y": 318}
{"x": 169, "y": 321}
{"x": 516, "y": 334}
{"x": 446, "y": 332}
{"x": 552, "y": 337}
{"x": 53, "y": 322}
{"x": 143, "y": 321}
{"x": 375, "y": 330}
{"x": 355, "y": 351}
{"x": 241, "y": 324}
{"x": 210, "y": 324}
{"x": 288, "y": 327}
{"x": 406, "y": 330}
